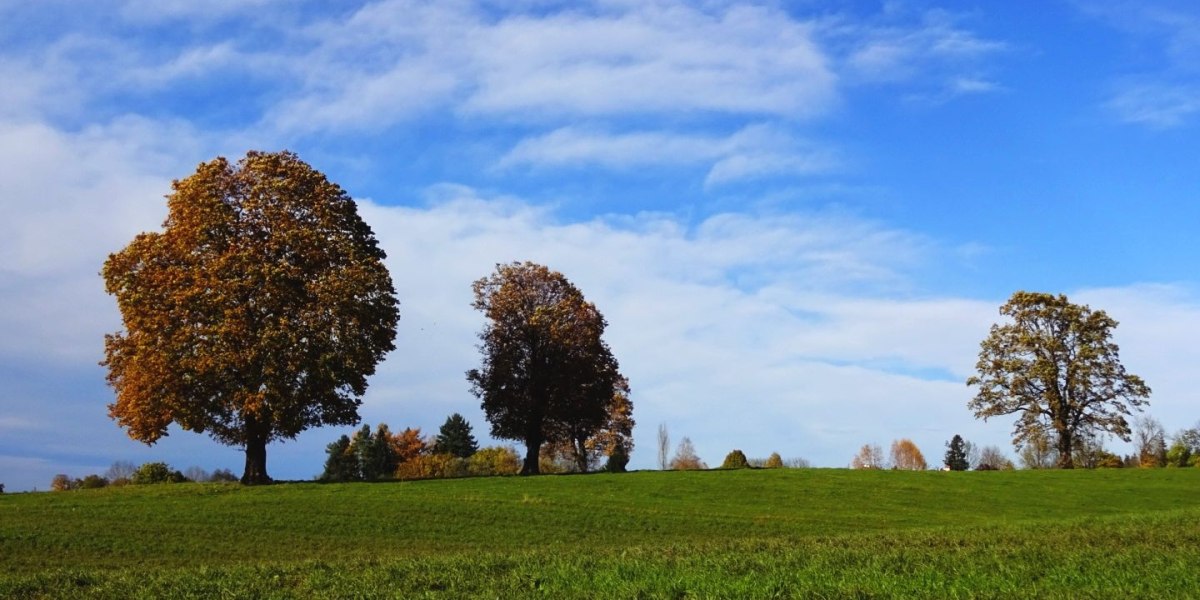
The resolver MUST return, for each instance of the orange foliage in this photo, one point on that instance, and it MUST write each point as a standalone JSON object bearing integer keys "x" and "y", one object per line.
{"x": 906, "y": 456}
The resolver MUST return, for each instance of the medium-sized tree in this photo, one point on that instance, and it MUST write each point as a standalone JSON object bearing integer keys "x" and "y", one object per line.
{"x": 258, "y": 311}
{"x": 1038, "y": 450}
{"x": 685, "y": 458}
{"x": 956, "y": 454}
{"x": 455, "y": 438}
{"x": 1055, "y": 366}
{"x": 61, "y": 483}
{"x": 1150, "y": 443}
{"x": 992, "y": 458}
{"x": 547, "y": 374}
{"x": 340, "y": 463}
{"x": 774, "y": 461}
{"x": 870, "y": 456}
{"x": 735, "y": 460}
{"x": 906, "y": 456}
{"x": 408, "y": 445}
{"x": 379, "y": 459}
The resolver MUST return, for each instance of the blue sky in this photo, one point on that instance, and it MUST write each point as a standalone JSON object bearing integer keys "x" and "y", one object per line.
{"x": 799, "y": 218}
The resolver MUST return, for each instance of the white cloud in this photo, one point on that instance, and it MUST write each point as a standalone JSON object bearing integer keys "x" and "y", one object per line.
{"x": 1165, "y": 93}
{"x": 1157, "y": 105}
{"x": 752, "y": 152}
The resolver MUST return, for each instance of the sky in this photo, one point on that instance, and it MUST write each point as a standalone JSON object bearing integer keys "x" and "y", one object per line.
{"x": 799, "y": 218}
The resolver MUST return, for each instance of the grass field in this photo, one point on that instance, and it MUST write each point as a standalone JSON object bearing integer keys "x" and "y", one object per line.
{"x": 778, "y": 533}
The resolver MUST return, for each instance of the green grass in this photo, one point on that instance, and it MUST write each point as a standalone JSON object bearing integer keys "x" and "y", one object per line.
{"x": 780, "y": 533}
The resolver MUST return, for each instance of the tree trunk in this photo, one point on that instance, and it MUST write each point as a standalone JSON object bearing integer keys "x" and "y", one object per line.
{"x": 533, "y": 450}
{"x": 256, "y": 460}
{"x": 1066, "y": 447}
{"x": 579, "y": 449}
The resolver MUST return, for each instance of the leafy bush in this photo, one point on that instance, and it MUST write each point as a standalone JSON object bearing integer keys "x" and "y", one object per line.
{"x": 156, "y": 472}
{"x": 495, "y": 460}
{"x": 91, "y": 482}
{"x": 618, "y": 460}
{"x": 774, "y": 461}
{"x": 432, "y": 466}
{"x": 735, "y": 460}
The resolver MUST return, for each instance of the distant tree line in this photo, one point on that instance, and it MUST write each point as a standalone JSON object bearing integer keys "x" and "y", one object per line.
{"x": 126, "y": 473}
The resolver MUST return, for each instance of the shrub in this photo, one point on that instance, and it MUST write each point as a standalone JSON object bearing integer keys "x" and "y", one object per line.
{"x": 496, "y": 460}
{"x": 1, "y": 488}
{"x": 618, "y": 460}
{"x": 91, "y": 482}
{"x": 735, "y": 460}
{"x": 774, "y": 461}
{"x": 432, "y": 466}
{"x": 223, "y": 476}
{"x": 61, "y": 483}
{"x": 156, "y": 472}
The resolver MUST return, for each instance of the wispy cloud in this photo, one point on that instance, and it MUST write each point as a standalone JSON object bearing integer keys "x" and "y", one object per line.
{"x": 1156, "y": 105}
{"x": 755, "y": 151}
{"x": 1165, "y": 94}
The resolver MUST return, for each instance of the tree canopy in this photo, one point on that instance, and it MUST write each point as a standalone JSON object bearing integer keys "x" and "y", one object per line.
{"x": 257, "y": 312}
{"x": 546, "y": 374}
{"x": 1056, "y": 367}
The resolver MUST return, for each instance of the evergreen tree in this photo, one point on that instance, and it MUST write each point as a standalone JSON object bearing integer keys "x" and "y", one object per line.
{"x": 455, "y": 438}
{"x": 378, "y": 458}
{"x": 956, "y": 454}
{"x": 341, "y": 465}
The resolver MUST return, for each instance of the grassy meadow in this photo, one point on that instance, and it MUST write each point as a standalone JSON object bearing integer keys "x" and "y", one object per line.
{"x": 754, "y": 534}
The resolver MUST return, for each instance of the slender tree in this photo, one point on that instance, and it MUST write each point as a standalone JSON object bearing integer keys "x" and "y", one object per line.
{"x": 546, "y": 369}
{"x": 870, "y": 456}
{"x": 455, "y": 438}
{"x": 257, "y": 312}
{"x": 664, "y": 446}
{"x": 1056, "y": 367}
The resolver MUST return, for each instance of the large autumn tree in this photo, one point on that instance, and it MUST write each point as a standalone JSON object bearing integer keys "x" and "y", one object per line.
{"x": 1055, "y": 366}
{"x": 258, "y": 311}
{"x": 547, "y": 375}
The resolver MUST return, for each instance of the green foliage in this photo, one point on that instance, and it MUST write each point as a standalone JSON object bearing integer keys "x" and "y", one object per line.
{"x": 156, "y": 472}
{"x": 1179, "y": 455}
{"x": 455, "y": 438}
{"x": 956, "y": 454}
{"x": 495, "y": 460}
{"x": 340, "y": 464}
{"x": 735, "y": 460}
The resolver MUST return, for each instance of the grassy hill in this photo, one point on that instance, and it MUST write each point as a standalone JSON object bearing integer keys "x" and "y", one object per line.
{"x": 831, "y": 533}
